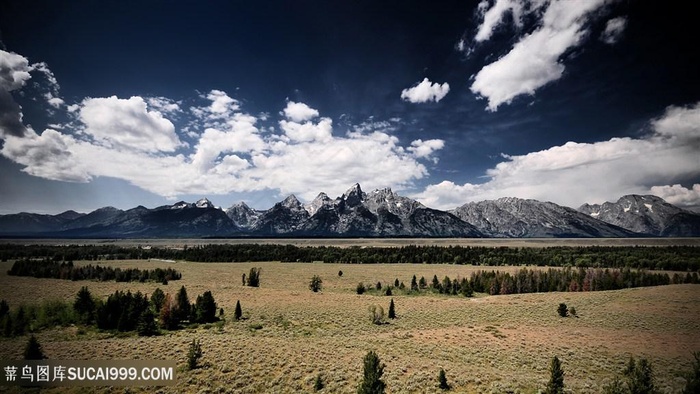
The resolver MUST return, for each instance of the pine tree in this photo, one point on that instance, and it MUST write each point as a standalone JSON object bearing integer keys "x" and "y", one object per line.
{"x": 372, "y": 378}
{"x": 442, "y": 380}
{"x": 33, "y": 350}
{"x": 147, "y": 324}
{"x": 414, "y": 284}
{"x": 316, "y": 284}
{"x": 183, "y": 304}
{"x": 562, "y": 310}
{"x": 318, "y": 383}
{"x": 360, "y": 289}
{"x": 205, "y": 308}
{"x": 157, "y": 299}
{"x": 253, "y": 279}
{"x": 692, "y": 385}
{"x": 194, "y": 353}
{"x": 556, "y": 379}
{"x": 84, "y": 306}
{"x": 238, "y": 313}
{"x": 392, "y": 311}
{"x": 640, "y": 377}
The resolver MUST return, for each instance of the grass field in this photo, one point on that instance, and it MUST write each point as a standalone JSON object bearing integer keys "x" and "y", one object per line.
{"x": 485, "y": 344}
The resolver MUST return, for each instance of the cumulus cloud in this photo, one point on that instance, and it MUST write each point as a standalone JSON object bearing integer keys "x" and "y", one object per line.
{"x": 576, "y": 173}
{"x": 679, "y": 195}
{"x": 421, "y": 148}
{"x": 495, "y": 15}
{"x": 534, "y": 60}
{"x": 133, "y": 140}
{"x": 14, "y": 73}
{"x": 127, "y": 123}
{"x": 299, "y": 112}
{"x": 425, "y": 91}
{"x": 613, "y": 30}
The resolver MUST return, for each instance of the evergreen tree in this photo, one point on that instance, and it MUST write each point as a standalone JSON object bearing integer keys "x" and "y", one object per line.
{"x": 157, "y": 299}
{"x": 238, "y": 313}
{"x": 340, "y": 273}
{"x": 562, "y": 310}
{"x": 318, "y": 383}
{"x": 414, "y": 284}
{"x": 4, "y": 308}
{"x": 442, "y": 380}
{"x": 422, "y": 283}
{"x": 378, "y": 286}
{"x": 205, "y": 308}
{"x": 396, "y": 282}
{"x": 316, "y": 284}
{"x": 615, "y": 387}
{"x": 392, "y": 311}
{"x": 147, "y": 324}
{"x": 84, "y": 306}
{"x": 194, "y": 353}
{"x": 388, "y": 291}
{"x": 372, "y": 377}
{"x": 182, "y": 310}
{"x": 33, "y": 350}
{"x": 692, "y": 385}
{"x": 253, "y": 279}
{"x": 640, "y": 377}
{"x": 556, "y": 379}
{"x": 360, "y": 289}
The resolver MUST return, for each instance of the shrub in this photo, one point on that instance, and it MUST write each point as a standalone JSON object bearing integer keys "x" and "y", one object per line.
{"x": 316, "y": 284}
{"x": 562, "y": 310}
{"x": 556, "y": 379}
{"x": 372, "y": 376}
{"x": 33, "y": 350}
{"x": 194, "y": 353}
{"x": 442, "y": 380}
{"x": 253, "y": 279}
{"x": 378, "y": 286}
{"x": 360, "y": 288}
{"x": 340, "y": 273}
{"x": 392, "y": 311}
{"x": 318, "y": 383}
{"x": 572, "y": 311}
{"x": 640, "y": 377}
{"x": 388, "y": 291}
{"x": 4, "y": 308}
{"x": 376, "y": 314}
{"x": 238, "y": 313}
{"x": 692, "y": 384}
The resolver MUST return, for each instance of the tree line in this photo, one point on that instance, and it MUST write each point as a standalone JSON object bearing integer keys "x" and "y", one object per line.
{"x": 674, "y": 258}
{"x": 67, "y": 270}
{"x": 121, "y": 311}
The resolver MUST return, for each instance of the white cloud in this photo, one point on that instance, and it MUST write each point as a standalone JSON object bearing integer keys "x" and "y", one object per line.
{"x": 679, "y": 195}
{"x": 299, "y": 112}
{"x": 56, "y": 102}
{"x": 576, "y": 173}
{"x": 164, "y": 105}
{"x": 613, "y": 30}
{"x": 421, "y": 148}
{"x": 123, "y": 139}
{"x": 425, "y": 91}
{"x": 534, "y": 60}
{"x": 127, "y": 123}
{"x": 495, "y": 15}
{"x": 14, "y": 71}
{"x": 308, "y": 131}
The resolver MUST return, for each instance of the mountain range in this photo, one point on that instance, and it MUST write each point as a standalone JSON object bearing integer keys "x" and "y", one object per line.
{"x": 380, "y": 213}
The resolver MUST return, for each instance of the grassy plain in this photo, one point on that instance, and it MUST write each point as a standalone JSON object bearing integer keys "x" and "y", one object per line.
{"x": 487, "y": 344}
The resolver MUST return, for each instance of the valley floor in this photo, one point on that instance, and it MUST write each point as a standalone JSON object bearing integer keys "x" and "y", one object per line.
{"x": 485, "y": 344}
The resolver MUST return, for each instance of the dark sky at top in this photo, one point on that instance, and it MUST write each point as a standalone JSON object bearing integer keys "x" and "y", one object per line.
{"x": 157, "y": 101}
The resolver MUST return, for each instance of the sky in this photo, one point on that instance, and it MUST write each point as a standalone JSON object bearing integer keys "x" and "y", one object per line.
{"x": 126, "y": 103}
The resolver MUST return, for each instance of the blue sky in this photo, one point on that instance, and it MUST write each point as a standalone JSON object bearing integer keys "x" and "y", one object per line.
{"x": 125, "y": 103}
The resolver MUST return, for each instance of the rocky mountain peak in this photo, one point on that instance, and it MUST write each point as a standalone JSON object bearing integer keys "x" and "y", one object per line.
{"x": 321, "y": 201}
{"x": 292, "y": 202}
{"x": 353, "y": 196}
{"x": 204, "y": 203}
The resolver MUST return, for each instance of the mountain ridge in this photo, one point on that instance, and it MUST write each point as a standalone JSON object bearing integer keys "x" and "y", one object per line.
{"x": 379, "y": 213}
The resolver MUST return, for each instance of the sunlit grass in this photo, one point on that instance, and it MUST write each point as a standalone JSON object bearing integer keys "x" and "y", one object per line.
{"x": 290, "y": 334}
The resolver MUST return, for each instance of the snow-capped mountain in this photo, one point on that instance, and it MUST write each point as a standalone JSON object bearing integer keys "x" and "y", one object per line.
{"x": 518, "y": 218}
{"x": 648, "y": 215}
{"x": 379, "y": 213}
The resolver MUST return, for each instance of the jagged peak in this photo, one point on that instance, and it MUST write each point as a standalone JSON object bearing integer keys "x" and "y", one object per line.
{"x": 239, "y": 205}
{"x": 291, "y": 201}
{"x": 355, "y": 189}
{"x": 204, "y": 203}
